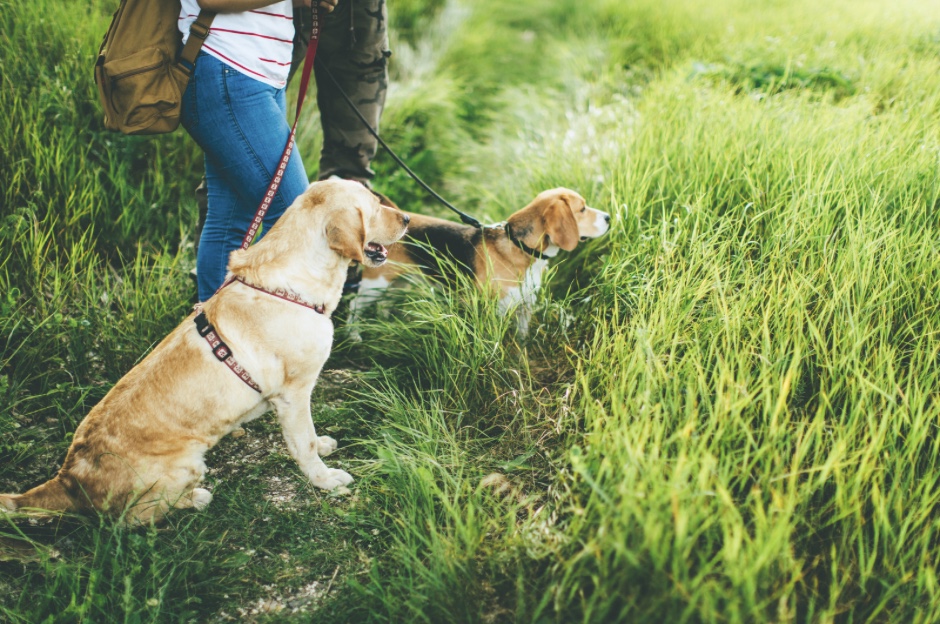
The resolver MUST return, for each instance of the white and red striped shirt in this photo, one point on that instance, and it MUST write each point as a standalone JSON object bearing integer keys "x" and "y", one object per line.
{"x": 257, "y": 43}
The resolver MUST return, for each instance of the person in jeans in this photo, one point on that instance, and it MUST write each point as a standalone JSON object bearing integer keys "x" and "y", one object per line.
{"x": 243, "y": 127}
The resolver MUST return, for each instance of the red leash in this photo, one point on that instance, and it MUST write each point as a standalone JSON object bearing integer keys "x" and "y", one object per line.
{"x": 285, "y": 157}
{"x": 221, "y": 350}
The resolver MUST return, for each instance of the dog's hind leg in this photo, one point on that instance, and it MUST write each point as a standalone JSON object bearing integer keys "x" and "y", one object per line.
{"x": 176, "y": 488}
{"x": 293, "y": 412}
{"x": 198, "y": 499}
{"x": 153, "y": 510}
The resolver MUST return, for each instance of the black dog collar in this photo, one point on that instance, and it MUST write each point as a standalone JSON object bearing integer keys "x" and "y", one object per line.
{"x": 535, "y": 253}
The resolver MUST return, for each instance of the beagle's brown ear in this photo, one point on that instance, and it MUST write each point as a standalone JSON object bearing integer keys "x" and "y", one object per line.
{"x": 560, "y": 224}
{"x": 346, "y": 233}
{"x": 384, "y": 199}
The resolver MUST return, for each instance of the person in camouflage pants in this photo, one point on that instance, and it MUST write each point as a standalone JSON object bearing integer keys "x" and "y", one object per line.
{"x": 353, "y": 47}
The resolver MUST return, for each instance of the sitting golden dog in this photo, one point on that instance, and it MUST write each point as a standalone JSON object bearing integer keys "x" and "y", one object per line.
{"x": 258, "y": 344}
{"x": 507, "y": 259}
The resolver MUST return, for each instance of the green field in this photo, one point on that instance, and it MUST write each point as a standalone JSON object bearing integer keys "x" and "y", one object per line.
{"x": 727, "y": 410}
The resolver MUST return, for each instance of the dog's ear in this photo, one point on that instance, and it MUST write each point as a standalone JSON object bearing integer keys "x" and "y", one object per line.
{"x": 346, "y": 233}
{"x": 560, "y": 224}
{"x": 384, "y": 200}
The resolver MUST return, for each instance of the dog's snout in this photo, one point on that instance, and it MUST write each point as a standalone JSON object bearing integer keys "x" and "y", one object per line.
{"x": 607, "y": 218}
{"x": 406, "y": 218}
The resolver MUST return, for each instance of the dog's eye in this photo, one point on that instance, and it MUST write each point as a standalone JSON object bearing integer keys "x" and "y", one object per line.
{"x": 584, "y": 209}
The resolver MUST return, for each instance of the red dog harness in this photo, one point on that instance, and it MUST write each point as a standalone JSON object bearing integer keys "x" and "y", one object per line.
{"x": 219, "y": 349}
{"x": 222, "y": 351}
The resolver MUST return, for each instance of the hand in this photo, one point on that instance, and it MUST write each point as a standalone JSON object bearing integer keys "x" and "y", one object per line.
{"x": 326, "y": 5}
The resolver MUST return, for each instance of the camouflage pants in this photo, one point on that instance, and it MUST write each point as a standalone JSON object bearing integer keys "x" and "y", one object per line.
{"x": 354, "y": 48}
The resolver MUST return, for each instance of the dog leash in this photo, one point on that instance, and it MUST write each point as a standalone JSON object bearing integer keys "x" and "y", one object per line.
{"x": 220, "y": 350}
{"x": 285, "y": 156}
{"x": 401, "y": 163}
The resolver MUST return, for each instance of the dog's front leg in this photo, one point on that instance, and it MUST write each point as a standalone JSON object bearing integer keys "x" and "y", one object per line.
{"x": 293, "y": 412}
{"x": 516, "y": 301}
{"x": 523, "y": 315}
{"x": 370, "y": 290}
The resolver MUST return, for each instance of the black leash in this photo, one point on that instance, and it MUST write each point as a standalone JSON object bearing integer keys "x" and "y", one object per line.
{"x": 463, "y": 216}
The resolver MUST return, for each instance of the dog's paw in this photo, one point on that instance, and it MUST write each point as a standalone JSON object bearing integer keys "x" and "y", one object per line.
{"x": 325, "y": 445}
{"x": 332, "y": 478}
{"x": 201, "y": 498}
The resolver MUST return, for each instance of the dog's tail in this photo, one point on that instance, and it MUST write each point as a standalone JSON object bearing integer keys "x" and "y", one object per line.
{"x": 50, "y": 496}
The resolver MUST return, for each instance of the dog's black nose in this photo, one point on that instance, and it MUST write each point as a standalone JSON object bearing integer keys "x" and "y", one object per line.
{"x": 407, "y": 219}
{"x": 607, "y": 219}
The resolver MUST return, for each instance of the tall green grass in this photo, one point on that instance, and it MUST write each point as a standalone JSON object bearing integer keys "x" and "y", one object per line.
{"x": 726, "y": 409}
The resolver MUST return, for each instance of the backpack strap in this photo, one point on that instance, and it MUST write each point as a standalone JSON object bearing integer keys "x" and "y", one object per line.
{"x": 198, "y": 31}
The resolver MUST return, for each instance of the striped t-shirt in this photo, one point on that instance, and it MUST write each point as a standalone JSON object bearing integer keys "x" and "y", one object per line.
{"x": 257, "y": 43}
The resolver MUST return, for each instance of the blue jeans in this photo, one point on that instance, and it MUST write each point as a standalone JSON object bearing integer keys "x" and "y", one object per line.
{"x": 241, "y": 125}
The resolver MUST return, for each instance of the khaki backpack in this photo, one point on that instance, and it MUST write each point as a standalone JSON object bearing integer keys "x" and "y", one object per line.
{"x": 141, "y": 73}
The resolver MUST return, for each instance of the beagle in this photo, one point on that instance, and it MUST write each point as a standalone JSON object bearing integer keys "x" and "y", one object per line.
{"x": 506, "y": 260}
{"x": 258, "y": 343}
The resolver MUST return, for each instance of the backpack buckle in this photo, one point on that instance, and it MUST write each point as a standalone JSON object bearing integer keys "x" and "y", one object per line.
{"x": 199, "y": 30}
